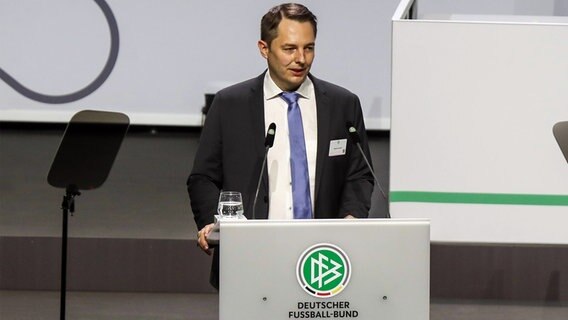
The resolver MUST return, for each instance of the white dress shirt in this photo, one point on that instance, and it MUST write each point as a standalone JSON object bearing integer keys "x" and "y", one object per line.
{"x": 278, "y": 159}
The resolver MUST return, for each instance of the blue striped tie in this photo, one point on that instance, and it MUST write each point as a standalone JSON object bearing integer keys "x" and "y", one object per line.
{"x": 298, "y": 159}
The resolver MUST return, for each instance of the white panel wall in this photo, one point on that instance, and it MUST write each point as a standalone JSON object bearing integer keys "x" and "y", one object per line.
{"x": 473, "y": 105}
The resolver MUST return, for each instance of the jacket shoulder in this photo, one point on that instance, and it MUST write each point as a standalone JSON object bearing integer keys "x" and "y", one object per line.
{"x": 241, "y": 88}
{"x": 331, "y": 88}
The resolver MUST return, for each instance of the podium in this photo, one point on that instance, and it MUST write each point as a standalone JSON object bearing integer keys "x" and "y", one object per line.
{"x": 324, "y": 269}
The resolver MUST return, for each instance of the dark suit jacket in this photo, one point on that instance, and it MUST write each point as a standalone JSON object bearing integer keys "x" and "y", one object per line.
{"x": 231, "y": 150}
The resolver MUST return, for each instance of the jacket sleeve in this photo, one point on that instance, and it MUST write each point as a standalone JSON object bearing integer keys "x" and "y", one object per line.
{"x": 359, "y": 182}
{"x": 205, "y": 181}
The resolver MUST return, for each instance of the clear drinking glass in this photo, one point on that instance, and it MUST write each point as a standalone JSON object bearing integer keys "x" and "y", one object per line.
{"x": 230, "y": 205}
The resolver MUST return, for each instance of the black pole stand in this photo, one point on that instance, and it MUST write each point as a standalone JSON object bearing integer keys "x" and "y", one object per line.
{"x": 68, "y": 206}
{"x": 83, "y": 161}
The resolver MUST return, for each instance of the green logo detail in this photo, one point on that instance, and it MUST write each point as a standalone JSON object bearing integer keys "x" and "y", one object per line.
{"x": 323, "y": 270}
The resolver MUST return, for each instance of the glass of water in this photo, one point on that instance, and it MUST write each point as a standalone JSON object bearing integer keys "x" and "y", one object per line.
{"x": 230, "y": 205}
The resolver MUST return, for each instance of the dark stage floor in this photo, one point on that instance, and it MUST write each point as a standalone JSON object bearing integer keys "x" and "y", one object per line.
{"x": 19, "y": 305}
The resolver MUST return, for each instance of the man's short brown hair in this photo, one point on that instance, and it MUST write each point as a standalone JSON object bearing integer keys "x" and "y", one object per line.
{"x": 293, "y": 11}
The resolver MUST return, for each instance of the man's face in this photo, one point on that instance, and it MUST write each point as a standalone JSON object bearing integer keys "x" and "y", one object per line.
{"x": 290, "y": 54}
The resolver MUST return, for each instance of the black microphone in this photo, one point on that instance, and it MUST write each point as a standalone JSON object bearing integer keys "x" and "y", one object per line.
{"x": 268, "y": 142}
{"x": 354, "y": 136}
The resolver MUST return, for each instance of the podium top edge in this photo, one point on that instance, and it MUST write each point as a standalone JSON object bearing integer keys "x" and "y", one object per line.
{"x": 370, "y": 221}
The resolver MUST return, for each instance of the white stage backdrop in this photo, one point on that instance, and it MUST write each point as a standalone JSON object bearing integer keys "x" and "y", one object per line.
{"x": 474, "y": 102}
{"x": 155, "y": 60}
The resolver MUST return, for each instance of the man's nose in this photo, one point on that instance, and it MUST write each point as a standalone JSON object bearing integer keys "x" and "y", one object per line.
{"x": 300, "y": 56}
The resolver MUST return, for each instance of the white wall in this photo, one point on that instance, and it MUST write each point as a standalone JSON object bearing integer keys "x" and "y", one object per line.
{"x": 174, "y": 51}
{"x": 473, "y": 107}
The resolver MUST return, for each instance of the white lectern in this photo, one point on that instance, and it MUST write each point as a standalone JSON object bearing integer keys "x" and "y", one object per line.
{"x": 325, "y": 269}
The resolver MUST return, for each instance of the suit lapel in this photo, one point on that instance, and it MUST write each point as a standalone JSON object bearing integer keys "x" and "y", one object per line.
{"x": 256, "y": 113}
{"x": 256, "y": 116}
{"x": 324, "y": 118}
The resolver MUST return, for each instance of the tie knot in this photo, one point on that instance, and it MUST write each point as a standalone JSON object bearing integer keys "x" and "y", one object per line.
{"x": 290, "y": 97}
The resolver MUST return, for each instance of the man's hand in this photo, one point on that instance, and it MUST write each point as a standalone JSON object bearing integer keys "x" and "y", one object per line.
{"x": 202, "y": 238}
{"x": 349, "y": 217}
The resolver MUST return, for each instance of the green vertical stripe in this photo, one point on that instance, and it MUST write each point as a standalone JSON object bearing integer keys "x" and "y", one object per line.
{"x": 481, "y": 198}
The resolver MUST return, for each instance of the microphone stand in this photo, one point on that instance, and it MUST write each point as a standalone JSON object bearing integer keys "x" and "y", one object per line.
{"x": 372, "y": 172}
{"x": 374, "y": 176}
{"x": 354, "y": 136}
{"x": 259, "y": 181}
{"x": 268, "y": 142}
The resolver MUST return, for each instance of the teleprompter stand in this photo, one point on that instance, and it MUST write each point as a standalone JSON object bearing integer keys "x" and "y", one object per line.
{"x": 83, "y": 161}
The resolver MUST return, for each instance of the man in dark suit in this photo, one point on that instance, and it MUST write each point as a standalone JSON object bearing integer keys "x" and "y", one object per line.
{"x": 313, "y": 171}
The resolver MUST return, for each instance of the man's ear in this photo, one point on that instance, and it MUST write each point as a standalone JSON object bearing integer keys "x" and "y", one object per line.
{"x": 263, "y": 48}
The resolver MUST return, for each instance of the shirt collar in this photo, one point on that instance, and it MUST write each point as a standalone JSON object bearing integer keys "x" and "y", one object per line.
{"x": 271, "y": 90}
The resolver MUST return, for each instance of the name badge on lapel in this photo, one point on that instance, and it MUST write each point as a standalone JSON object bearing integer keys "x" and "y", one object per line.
{"x": 337, "y": 147}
